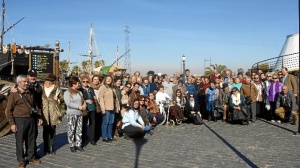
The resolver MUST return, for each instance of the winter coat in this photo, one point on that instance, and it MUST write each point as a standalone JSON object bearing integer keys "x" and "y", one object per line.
{"x": 53, "y": 111}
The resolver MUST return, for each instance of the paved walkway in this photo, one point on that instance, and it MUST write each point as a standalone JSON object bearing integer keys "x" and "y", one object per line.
{"x": 261, "y": 144}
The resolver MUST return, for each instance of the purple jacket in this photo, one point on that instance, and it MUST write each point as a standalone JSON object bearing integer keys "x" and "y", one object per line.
{"x": 275, "y": 89}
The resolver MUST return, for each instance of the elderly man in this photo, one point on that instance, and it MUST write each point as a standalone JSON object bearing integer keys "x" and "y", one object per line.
{"x": 21, "y": 112}
{"x": 168, "y": 85}
{"x": 290, "y": 81}
{"x": 286, "y": 102}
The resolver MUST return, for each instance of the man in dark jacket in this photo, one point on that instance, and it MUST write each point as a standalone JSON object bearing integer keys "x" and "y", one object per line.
{"x": 286, "y": 102}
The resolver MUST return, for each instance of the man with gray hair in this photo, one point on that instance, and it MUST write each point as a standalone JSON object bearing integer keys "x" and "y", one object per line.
{"x": 21, "y": 112}
{"x": 286, "y": 102}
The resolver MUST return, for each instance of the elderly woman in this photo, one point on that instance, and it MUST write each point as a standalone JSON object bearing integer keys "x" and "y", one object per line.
{"x": 109, "y": 106}
{"x": 211, "y": 94}
{"x": 75, "y": 106}
{"x": 274, "y": 90}
{"x": 192, "y": 110}
{"x": 90, "y": 100}
{"x": 133, "y": 124}
{"x": 52, "y": 112}
{"x": 237, "y": 106}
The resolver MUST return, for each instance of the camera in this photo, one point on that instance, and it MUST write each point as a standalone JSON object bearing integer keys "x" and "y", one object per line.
{"x": 32, "y": 111}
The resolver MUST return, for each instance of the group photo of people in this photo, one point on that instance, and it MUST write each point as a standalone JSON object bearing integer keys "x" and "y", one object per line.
{"x": 104, "y": 108}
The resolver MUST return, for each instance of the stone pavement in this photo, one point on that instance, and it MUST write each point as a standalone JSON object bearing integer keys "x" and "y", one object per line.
{"x": 260, "y": 144}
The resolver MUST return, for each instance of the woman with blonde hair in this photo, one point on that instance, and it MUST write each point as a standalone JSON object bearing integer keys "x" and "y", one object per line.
{"x": 109, "y": 105}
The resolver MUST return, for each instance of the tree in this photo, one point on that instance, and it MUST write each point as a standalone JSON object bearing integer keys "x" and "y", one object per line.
{"x": 76, "y": 69}
{"x": 63, "y": 65}
{"x": 99, "y": 63}
{"x": 210, "y": 70}
{"x": 85, "y": 65}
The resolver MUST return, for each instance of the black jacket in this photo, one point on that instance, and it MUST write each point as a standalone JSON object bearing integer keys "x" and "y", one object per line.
{"x": 188, "y": 108}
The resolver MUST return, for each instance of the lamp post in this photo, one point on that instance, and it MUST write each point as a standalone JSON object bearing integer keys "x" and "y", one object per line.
{"x": 183, "y": 62}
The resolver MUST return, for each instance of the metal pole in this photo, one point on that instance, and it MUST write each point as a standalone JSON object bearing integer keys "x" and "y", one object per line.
{"x": 56, "y": 58}
{"x": 183, "y": 66}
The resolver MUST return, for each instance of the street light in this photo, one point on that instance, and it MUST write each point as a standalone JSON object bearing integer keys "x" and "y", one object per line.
{"x": 183, "y": 62}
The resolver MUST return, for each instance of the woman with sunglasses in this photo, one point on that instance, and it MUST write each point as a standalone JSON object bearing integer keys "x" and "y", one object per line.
{"x": 144, "y": 115}
{"x": 192, "y": 110}
{"x": 237, "y": 107}
{"x": 90, "y": 100}
{"x": 274, "y": 90}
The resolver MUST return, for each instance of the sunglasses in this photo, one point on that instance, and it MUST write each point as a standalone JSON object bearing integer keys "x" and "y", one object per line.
{"x": 85, "y": 82}
{"x": 126, "y": 77}
{"x": 275, "y": 78}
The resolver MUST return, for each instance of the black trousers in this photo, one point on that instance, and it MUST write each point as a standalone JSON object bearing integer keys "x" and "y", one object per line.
{"x": 49, "y": 132}
{"x": 133, "y": 132}
{"x": 91, "y": 119}
{"x": 26, "y": 132}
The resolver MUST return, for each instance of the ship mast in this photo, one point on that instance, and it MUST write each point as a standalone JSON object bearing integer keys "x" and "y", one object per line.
{"x": 91, "y": 48}
{"x": 2, "y": 21}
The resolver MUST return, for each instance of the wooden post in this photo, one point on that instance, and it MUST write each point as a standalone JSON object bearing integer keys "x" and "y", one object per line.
{"x": 56, "y": 63}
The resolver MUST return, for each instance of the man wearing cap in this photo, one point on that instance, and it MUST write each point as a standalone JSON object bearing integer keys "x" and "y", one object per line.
{"x": 22, "y": 114}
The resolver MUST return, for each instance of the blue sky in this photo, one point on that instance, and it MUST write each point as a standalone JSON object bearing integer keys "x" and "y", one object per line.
{"x": 235, "y": 33}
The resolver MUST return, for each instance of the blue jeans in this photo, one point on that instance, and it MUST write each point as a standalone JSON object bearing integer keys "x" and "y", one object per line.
{"x": 147, "y": 129}
{"x": 107, "y": 124}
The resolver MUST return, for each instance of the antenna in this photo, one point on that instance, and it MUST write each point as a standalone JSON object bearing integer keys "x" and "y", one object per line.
{"x": 127, "y": 63}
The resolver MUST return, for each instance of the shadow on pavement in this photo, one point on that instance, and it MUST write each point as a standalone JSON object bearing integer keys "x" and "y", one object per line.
{"x": 60, "y": 141}
{"x": 277, "y": 126}
{"x": 138, "y": 146}
{"x": 249, "y": 162}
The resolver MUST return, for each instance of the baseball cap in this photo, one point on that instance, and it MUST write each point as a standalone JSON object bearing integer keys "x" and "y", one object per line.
{"x": 32, "y": 72}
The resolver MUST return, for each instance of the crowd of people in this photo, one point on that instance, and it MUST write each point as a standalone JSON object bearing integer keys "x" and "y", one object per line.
{"x": 132, "y": 106}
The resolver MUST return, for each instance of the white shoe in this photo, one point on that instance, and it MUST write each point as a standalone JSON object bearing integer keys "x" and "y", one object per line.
{"x": 278, "y": 121}
{"x": 272, "y": 120}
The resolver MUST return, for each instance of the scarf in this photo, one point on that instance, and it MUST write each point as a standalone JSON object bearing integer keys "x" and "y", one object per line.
{"x": 210, "y": 99}
{"x": 192, "y": 104}
{"x": 274, "y": 90}
{"x": 96, "y": 87}
{"x": 146, "y": 89}
{"x": 236, "y": 100}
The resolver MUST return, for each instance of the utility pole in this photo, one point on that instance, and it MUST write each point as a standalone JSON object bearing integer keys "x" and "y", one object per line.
{"x": 127, "y": 63}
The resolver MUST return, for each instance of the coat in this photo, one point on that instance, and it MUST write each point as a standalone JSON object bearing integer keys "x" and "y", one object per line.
{"x": 291, "y": 83}
{"x": 53, "y": 111}
{"x": 287, "y": 101}
{"x": 188, "y": 108}
{"x": 107, "y": 100}
{"x": 245, "y": 91}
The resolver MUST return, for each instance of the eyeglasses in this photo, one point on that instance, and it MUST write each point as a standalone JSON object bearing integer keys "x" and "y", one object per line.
{"x": 191, "y": 96}
{"x": 146, "y": 100}
{"x": 85, "y": 82}
{"x": 275, "y": 78}
{"x": 126, "y": 77}
{"x": 142, "y": 100}
{"x": 128, "y": 86}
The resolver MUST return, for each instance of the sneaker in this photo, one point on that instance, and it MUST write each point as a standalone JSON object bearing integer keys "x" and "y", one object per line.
{"x": 272, "y": 120}
{"x": 278, "y": 121}
{"x": 21, "y": 165}
{"x": 35, "y": 161}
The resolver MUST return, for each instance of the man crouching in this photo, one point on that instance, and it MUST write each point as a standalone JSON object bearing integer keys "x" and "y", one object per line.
{"x": 20, "y": 113}
{"x": 286, "y": 102}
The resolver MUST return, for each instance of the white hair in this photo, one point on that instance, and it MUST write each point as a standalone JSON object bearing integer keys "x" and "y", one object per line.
{"x": 19, "y": 78}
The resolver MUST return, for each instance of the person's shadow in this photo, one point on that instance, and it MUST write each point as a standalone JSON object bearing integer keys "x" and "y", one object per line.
{"x": 60, "y": 141}
{"x": 138, "y": 146}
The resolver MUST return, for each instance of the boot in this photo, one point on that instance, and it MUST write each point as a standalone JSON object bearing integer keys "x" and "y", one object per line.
{"x": 51, "y": 150}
